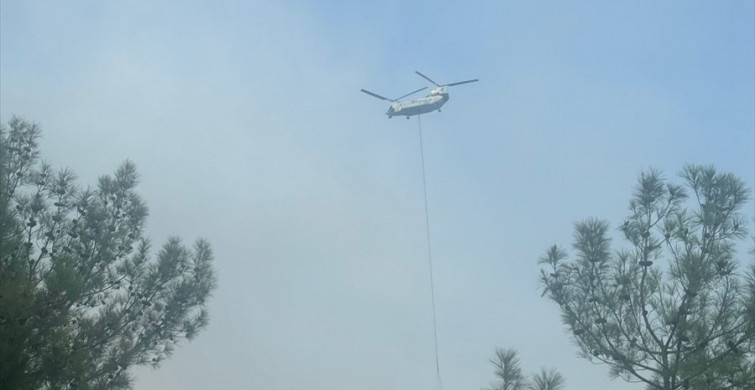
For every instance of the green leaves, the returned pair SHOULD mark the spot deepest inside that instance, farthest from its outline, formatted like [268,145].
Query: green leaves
[81,299]
[591,242]
[508,373]
[547,380]
[663,310]
[509,376]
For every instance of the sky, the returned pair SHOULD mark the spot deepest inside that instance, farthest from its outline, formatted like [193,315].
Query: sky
[248,129]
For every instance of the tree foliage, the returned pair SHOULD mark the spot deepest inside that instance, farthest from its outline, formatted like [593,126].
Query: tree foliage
[509,376]
[672,310]
[81,300]
[547,380]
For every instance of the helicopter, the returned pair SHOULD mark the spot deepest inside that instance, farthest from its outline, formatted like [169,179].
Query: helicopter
[434,101]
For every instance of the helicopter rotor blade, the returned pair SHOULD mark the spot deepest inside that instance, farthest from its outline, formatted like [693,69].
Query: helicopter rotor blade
[462,82]
[427,78]
[375,95]
[410,93]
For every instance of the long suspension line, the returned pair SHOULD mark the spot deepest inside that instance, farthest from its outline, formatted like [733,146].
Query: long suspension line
[429,253]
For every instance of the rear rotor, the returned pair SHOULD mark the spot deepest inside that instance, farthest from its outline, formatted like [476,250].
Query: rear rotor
[373,94]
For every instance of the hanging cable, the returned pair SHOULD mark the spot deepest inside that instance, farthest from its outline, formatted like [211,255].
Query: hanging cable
[429,253]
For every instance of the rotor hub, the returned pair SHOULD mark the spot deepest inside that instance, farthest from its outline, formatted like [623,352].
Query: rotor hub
[439,91]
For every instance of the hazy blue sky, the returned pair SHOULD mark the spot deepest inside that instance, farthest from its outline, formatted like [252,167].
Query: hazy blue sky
[246,122]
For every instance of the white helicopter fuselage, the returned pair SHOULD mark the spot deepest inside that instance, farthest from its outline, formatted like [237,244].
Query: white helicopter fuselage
[434,101]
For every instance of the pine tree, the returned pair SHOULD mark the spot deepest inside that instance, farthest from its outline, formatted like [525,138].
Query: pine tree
[509,376]
[81,299]
[547,380]
[508,373]
[672,310]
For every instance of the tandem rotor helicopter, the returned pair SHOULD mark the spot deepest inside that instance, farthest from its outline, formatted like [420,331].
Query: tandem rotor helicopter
[434,101]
